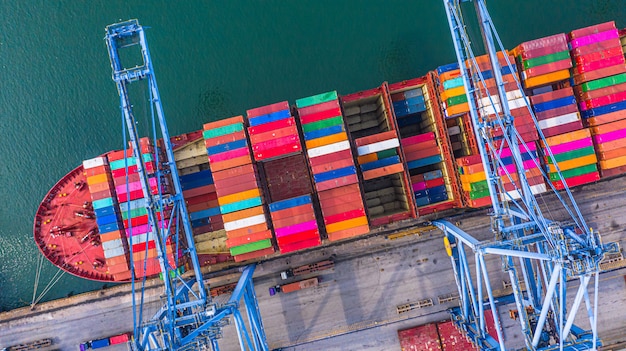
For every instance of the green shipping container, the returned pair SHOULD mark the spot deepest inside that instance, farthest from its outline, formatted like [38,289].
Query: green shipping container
[542,60]
[604,82]
[479,194]
[574,172]
[229,129]
[455,100]
[325,123]
[316,99]
[254,246]
[570,155]
[134,213]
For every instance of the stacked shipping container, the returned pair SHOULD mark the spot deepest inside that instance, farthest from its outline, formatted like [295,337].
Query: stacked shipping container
[543,61]
[141,238]
[575,157]
[473,181]
[424,139]
[373,129]
[332,164]
[600,78]
[276,141]
[238,189]
[108,218]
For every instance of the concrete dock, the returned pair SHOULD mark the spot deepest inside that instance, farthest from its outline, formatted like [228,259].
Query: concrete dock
[355,305]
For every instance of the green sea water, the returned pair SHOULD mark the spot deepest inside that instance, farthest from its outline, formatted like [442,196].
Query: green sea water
[213,59]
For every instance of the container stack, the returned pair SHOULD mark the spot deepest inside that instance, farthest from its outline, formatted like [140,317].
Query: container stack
[456,110]
[132,206]
[295,223]
[425,144]
[200,197]
[544,61]
[238,190]
[489,104]
[600,78]
[273,132]
[610,144]
[385,182]
[452,90]
[576,158]
[557,112]
[108,218]
[474,181]
[276,143]
[332,164]
[532,171]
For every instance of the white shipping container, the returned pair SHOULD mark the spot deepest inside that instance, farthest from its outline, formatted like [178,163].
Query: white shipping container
[245,222]
[328,149]
[112,244]
[379,146]
[95,162]
[559,120]
[115,252]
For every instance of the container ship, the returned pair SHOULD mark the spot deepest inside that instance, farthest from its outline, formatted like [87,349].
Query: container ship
[289,177]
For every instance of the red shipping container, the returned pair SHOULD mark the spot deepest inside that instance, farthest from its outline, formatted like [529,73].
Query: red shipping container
[265,110]
[297,237]
[592,94]
[236,184]
[246,231]
[320,116]
[371,139]
[201,199]
[291,212]
[348,233]
[619,171]
[201,190]
[578,180]
[254,254]
[383,171]
[223,122]
[328,158]
[611,145]
[281,151]
[289,221]
[287,177]
[555,112]
[268,127]
[547,68]
[301,245]
[232,163]
[233,172]
[133,195]
[122,171]
[598,56]
[599,73]
[118,155]
[337,182]
[338,208]
[274,143]
[118,339]
[132,178]
[596,65]
[273,134]
[419,154]
[347,162]
[224,139]
[552,95]
[359,212]
[605,100]
[318,107]
[202,206]
[250,238]
[563,128]
[431,144]
[595,47]
[597,28]
[342,192]
[435,182]
[417,139]
[96,170]
[102,194]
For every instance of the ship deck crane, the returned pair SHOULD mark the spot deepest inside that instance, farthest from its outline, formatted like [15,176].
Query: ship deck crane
[189,319]
[540,255]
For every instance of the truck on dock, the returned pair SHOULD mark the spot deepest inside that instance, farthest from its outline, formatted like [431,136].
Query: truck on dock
[295,286]
[308,268]
[105,342]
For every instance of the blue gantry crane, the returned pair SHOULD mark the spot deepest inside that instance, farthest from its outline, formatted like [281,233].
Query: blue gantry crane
[189,318]
[542,256]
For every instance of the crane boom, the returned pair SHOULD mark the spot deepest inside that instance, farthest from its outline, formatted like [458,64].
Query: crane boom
[539,254]
[189,319]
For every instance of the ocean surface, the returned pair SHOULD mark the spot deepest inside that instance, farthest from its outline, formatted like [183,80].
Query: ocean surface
[212,59]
